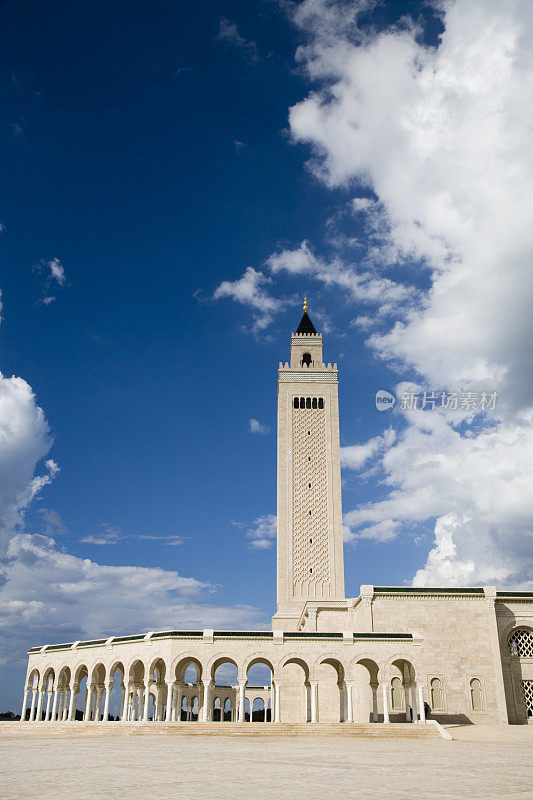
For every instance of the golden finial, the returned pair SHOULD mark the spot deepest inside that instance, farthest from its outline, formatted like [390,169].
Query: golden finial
[305,304]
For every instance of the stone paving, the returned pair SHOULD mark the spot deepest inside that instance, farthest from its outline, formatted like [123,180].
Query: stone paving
[481,764]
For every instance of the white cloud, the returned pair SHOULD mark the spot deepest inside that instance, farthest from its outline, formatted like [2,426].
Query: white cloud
[249,291]
[262,534]
[229,33]
[441,136]
[50,596]
[360,285]
[25,440]
[256,427]
[57,270]
[171,541]
[53,524]
[356,455]
[109,535]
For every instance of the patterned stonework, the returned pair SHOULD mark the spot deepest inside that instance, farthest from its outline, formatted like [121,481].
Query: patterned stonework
[310,539]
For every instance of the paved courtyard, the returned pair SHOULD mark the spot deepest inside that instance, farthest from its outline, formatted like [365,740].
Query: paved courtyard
[481,764]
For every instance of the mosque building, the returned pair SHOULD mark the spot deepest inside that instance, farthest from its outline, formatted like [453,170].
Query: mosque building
[380,658]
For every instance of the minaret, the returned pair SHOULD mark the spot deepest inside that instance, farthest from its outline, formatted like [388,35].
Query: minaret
[310,556]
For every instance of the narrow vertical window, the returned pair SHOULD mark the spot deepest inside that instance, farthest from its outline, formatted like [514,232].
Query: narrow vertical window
[315,403]
[476,695]
[296,403]
[321,402]
[396,694]
[308,402]
[436,693]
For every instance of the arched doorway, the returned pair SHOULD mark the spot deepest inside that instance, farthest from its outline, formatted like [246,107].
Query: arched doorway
[295,702]
[366,682]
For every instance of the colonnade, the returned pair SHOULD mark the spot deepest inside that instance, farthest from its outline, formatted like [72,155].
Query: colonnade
[56,699]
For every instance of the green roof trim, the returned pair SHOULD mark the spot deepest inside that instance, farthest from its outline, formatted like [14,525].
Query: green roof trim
[178,634]
[59,646]
[136,638]
[249,634]
[91,642]
[514,594]
[417,590]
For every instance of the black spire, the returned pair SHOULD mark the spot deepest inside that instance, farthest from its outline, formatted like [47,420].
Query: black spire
[306,326]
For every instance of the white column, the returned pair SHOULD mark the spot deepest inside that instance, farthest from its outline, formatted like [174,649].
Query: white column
[266,709]
[98,708]
[108,689]
[242,687]
[205,709]
[48,704]
[61,705]
[170,693]
[88,701]
[33,700]
[413,702]
[66,697]
[146,704]
[374,687]
[24,704]
[39,714]
[54,704]
[314,700]
[278,707]
[125,694]
[385,703]
[349,701]
[72,705]
[421,704]
[251,708]
[178,703]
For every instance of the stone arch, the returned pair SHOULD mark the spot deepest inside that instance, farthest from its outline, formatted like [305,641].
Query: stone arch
[402,667]
[80,671]
[63,678]
[392,665]
[257,658]
[136,671]
[158,665]
[295,701]
[295,657]
[180,664]
[331,692]
[116,665]
[98,674]
[216,661]
[34,679]
[366,675]
[49,678]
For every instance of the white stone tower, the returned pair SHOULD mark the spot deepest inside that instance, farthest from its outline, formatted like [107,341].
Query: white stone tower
[310,555]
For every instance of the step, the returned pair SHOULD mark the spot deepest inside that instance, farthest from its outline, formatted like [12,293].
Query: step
[418,730]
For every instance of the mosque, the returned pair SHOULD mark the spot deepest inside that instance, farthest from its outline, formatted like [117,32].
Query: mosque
[383,657]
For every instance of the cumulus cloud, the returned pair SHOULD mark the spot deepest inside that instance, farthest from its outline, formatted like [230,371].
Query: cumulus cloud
[48,595]
[256,427]
[440,137]
[361,285]
[356,455]
[262,533]
[249,290]
[228,32]
[53,273]
[52,596]
[25,440]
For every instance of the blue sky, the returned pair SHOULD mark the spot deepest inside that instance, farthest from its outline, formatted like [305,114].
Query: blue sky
[149,157]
